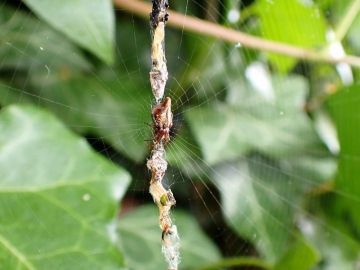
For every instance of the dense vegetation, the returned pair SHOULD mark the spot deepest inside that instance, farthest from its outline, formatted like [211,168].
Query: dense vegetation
[264,155]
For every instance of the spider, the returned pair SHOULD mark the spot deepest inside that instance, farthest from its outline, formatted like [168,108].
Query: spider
[162,118]
[166,231]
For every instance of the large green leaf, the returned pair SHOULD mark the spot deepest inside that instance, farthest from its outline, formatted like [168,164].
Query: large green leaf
[89,23]
[292,22]
[260,198]
[58,198]
[26,42]
[140,240]
[255,121]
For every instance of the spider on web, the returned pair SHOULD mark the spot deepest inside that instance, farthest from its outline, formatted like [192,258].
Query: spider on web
[163,120]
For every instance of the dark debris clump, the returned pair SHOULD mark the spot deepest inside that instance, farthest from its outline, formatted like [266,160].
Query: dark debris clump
[158,13]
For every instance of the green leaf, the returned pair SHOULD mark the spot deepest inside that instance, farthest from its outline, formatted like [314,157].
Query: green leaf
[300,256]
[344,108]
[214,66]
[208,73]
[89,23]
[291,22]
[332,237]
[26,42]
[260,198]
[8,95]
[255,121]
[257,201]
[352,34]
[58,198]
[110,109]
[314,171]
[244,262]
[110,103]
[345,26]
[140,240]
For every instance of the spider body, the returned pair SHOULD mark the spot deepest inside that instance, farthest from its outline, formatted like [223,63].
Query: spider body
[163,121]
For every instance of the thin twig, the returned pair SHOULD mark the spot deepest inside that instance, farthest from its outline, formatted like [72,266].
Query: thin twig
[347,20]
[196,25]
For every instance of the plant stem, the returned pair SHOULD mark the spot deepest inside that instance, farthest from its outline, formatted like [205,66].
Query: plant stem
[196,25]
[347,20]
[240,261]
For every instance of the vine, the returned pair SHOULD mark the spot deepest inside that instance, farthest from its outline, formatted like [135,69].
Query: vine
[162,122]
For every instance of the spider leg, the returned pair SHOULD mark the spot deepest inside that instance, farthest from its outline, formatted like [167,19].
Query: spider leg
[166,141]
[165,231]
[150,125]
[158,138]
[166,137]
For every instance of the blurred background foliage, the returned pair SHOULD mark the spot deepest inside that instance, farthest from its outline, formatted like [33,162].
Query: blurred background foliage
[264,155]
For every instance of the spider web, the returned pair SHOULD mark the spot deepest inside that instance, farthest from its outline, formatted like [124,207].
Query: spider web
[245,157]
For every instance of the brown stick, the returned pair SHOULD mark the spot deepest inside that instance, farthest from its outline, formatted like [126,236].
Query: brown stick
[196,25]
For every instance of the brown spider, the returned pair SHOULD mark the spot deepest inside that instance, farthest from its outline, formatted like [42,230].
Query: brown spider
[162,117]
[166,231]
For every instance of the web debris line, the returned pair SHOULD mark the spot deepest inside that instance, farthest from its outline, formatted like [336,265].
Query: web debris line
[162,122]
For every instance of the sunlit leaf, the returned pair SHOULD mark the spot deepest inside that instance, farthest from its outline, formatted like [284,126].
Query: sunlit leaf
[140,240]
[58,197]
[89,23]
[292,22]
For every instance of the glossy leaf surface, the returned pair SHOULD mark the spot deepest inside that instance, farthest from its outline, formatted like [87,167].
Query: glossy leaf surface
[89,23]
[58,198]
